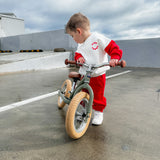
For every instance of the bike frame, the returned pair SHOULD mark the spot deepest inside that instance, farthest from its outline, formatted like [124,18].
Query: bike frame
[83,84]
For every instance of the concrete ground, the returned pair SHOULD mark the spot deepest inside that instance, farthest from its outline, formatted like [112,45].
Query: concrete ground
[36,131]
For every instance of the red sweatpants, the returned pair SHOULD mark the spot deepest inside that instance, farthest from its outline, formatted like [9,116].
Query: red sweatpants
[98,86]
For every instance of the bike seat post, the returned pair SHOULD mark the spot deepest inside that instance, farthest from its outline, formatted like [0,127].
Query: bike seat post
[75,76]
[73,85]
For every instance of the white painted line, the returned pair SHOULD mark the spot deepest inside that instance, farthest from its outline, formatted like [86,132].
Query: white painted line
[17,104]
[27,101]
[118,74]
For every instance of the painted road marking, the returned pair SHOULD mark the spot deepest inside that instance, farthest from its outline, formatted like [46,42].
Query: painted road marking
[27,101]
[118,74]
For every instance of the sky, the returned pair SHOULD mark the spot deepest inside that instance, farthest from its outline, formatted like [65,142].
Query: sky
[116,19]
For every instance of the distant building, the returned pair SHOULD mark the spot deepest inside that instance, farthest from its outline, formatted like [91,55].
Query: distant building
[10,25]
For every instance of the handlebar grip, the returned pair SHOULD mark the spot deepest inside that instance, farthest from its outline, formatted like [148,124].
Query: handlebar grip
[69,62]
[122,63]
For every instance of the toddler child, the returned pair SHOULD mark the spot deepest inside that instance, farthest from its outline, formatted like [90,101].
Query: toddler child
[92,49]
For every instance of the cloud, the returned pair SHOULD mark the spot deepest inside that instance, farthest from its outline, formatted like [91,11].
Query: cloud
[133,19]
[117,19]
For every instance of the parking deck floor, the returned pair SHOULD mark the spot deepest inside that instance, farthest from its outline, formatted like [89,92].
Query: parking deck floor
[36,131]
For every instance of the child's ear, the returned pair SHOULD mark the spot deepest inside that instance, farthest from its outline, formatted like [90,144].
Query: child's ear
[79,31]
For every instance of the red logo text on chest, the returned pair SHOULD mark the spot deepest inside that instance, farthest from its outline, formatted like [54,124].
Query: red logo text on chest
[94,45]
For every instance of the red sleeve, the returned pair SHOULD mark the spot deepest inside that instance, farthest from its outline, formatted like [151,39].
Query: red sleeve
[77,56]
[113,50]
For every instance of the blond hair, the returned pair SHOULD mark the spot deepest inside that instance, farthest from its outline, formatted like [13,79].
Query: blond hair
[77,20]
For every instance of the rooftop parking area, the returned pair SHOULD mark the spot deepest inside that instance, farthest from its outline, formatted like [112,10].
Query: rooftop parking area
[36,130]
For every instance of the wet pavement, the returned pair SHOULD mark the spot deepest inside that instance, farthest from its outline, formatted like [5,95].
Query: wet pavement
[36,131]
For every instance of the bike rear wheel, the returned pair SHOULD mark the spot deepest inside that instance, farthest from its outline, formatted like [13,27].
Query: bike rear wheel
[77,121]
[65,90]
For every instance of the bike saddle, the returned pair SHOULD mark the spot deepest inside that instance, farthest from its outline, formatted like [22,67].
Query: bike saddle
[74,75]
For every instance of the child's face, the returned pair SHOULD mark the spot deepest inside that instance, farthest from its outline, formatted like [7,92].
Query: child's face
[77,36]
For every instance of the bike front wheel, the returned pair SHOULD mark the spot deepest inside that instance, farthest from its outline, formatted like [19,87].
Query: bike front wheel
[65,90]
[77,121]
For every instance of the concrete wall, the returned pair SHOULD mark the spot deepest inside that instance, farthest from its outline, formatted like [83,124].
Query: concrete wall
[31,61]
[137,53]
[141,52]
[43,40]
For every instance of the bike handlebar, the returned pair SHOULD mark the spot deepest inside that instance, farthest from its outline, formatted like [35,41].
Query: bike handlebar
[121,63]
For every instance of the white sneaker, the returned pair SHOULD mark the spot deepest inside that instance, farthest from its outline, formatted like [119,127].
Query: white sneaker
[98,118]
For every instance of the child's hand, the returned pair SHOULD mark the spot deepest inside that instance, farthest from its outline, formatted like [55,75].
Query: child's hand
[81,60]
[113,62]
